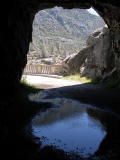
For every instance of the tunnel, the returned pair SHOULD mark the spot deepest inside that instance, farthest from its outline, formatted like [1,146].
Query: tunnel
[14,49]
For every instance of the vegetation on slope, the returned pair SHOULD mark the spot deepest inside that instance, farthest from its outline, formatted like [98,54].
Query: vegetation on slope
[77,77]
[59,31]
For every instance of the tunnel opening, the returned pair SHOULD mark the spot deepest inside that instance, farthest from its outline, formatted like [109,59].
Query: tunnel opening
[14,57]
[60,34]
[41,56]
[20,25]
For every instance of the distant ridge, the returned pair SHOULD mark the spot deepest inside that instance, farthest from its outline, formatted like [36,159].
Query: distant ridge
[59,31]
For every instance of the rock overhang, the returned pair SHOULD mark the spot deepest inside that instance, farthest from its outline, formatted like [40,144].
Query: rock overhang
[20,19]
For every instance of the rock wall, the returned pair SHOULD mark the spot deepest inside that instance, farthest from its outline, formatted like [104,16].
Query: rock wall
[100,59]
[110,11]
[75,61]
[97,59]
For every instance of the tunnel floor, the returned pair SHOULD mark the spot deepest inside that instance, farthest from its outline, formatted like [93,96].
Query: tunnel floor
[22,143]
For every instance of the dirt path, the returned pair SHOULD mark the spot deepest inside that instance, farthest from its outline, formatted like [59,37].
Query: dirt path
[94,94]
[49,82]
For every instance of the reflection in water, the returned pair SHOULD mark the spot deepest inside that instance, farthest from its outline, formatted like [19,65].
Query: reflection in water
[70,126]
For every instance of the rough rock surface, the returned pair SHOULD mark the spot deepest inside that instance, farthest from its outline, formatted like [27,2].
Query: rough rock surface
[99,61]
[75,61]
[92,60]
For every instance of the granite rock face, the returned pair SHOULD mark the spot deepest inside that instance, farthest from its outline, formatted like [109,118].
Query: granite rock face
[75,61]
[100,59]
[96,59]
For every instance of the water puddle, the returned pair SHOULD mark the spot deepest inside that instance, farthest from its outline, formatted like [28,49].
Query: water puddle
[69,126]
[74,127]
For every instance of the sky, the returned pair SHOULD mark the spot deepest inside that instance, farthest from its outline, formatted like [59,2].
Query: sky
[92,11]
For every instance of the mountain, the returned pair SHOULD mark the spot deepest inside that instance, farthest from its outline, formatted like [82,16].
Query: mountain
[63,32]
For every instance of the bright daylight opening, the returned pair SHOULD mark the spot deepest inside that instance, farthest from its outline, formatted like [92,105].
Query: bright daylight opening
[58,35]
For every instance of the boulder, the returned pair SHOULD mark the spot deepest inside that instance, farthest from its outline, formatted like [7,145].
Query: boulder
[75,61]
[96,59]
